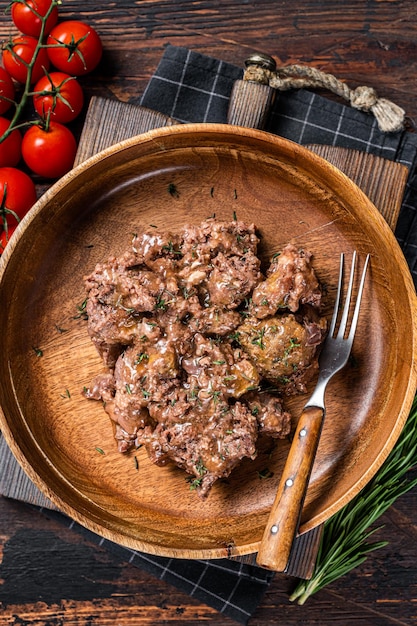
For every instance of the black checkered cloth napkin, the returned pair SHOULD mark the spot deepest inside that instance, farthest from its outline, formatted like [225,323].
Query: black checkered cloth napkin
[191,87]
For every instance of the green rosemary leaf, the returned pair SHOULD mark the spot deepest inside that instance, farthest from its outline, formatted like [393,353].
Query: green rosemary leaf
[345,542]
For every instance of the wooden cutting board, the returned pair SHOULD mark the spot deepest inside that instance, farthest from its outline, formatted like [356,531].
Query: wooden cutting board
[110,121]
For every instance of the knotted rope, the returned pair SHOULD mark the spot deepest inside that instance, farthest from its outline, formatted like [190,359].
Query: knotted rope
[390,117]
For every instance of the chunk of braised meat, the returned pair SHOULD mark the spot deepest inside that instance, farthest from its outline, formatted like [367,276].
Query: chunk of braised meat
[203,242]
[217,371]
[214,321]
[273,419]
[116,297]
[219,259]
[283,349]
[145,373]
[172,276]
[291,282]
[185,372]
[232,279]
[209,444]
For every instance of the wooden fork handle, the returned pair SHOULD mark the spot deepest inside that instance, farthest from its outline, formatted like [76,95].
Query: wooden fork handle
[284,518]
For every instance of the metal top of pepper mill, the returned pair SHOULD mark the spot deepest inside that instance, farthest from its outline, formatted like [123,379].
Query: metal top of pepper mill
[263,60]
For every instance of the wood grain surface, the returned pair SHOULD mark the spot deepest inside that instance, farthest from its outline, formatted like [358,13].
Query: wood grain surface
[366,43]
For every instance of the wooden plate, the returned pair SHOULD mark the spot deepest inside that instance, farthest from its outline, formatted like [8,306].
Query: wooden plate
[90,214]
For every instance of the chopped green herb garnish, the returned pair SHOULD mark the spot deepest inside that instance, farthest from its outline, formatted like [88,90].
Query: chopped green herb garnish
[293,344]
[161,304]
[215,396]
[193,393]
[169,247]
[82,310]
[258,339]
[99,450]
[265,473]
[37,351]
[61,330]
[143,356]
[194,482]
[173,191]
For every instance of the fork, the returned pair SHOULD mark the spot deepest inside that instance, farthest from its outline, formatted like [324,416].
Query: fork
[284,518]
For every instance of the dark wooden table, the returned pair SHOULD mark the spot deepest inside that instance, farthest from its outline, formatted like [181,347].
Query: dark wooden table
[55,576]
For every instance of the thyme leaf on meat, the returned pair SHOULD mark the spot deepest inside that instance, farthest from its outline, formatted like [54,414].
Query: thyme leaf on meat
[142,356]
[194,482]
[215,395]
[258,339]
[201,469]
[169,247]
[345,542]
[161,304]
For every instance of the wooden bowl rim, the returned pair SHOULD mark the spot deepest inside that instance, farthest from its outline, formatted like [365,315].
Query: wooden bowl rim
[240,134]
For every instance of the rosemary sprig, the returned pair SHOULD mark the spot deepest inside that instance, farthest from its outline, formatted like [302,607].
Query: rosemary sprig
[345,544]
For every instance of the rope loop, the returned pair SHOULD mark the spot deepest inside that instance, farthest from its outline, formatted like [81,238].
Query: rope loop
[262,69]
[363,98]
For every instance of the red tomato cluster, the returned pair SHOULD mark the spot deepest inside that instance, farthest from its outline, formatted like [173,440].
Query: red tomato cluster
[57,53]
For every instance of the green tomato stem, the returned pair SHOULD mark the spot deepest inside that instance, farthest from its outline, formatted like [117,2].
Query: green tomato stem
[15,121]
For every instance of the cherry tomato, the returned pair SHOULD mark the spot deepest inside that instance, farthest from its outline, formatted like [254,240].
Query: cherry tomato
[19,53]
[17,195]
[5,237]
[80,50]
[49,152]
[61,95]
[6,91]
[10,148]
[27,14]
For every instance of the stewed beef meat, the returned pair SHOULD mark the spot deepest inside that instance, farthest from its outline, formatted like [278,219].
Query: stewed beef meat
[190,330]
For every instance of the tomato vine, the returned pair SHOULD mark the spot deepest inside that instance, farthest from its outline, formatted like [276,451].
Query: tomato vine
[39,73]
